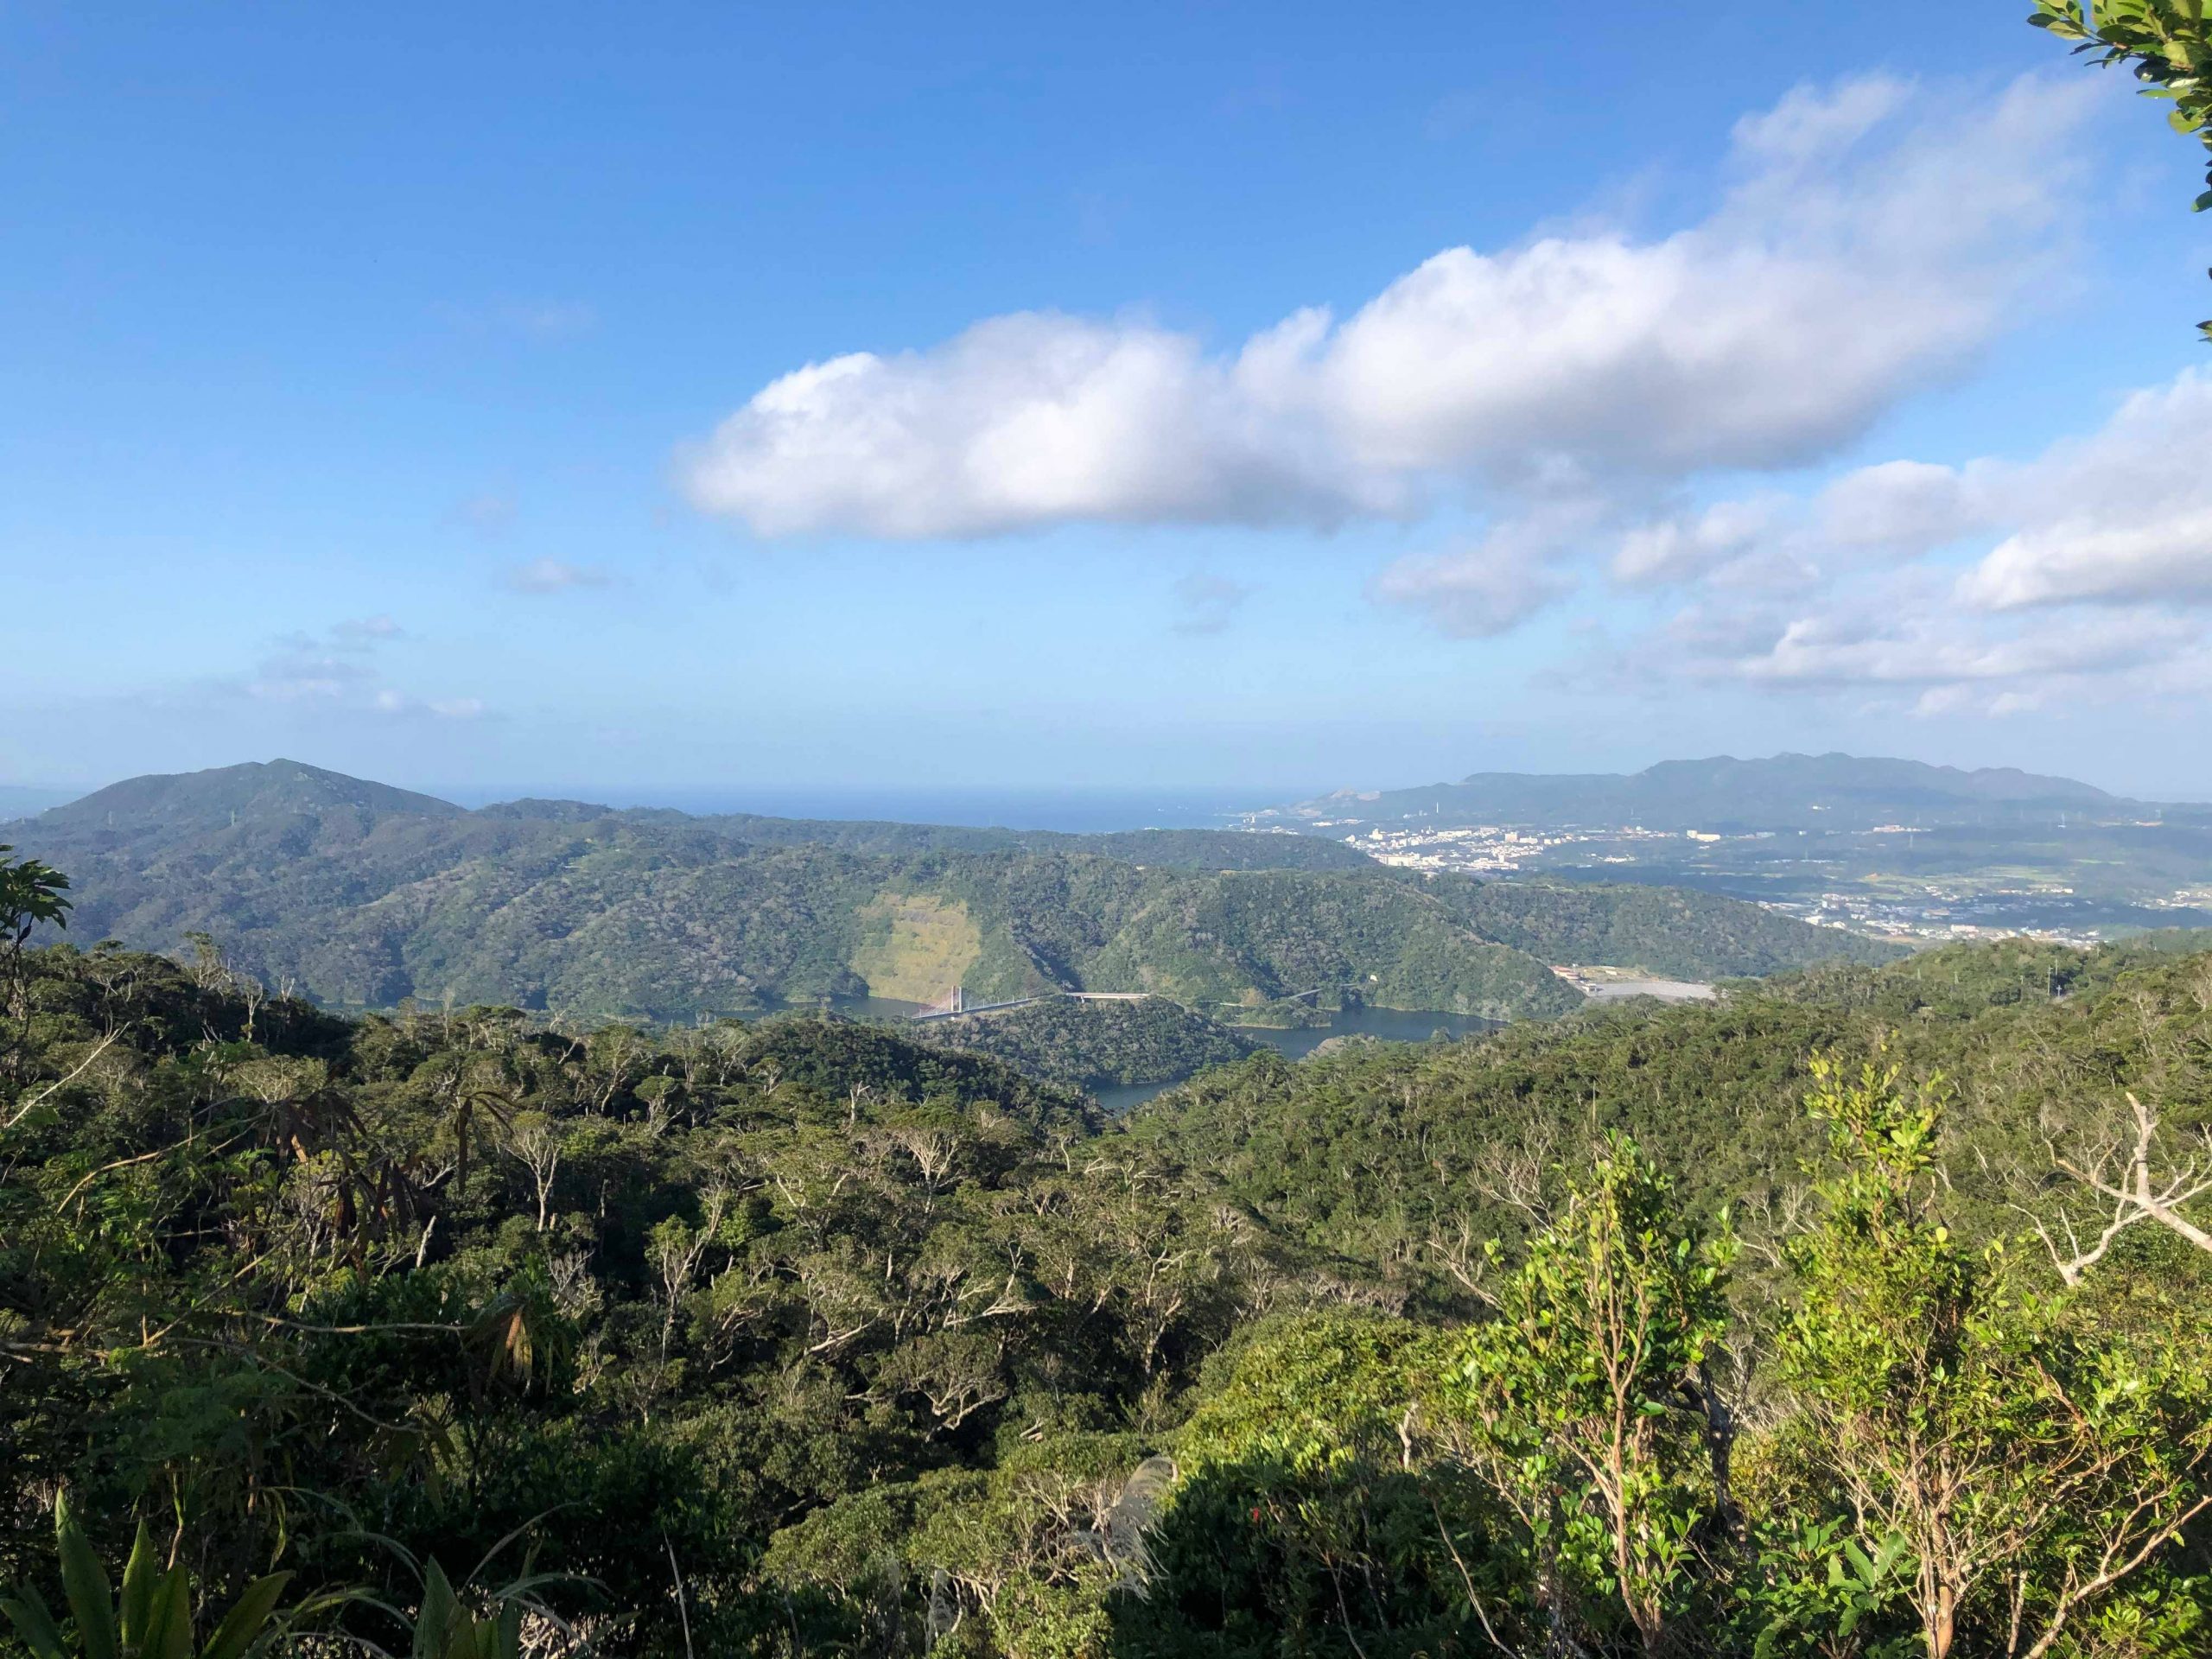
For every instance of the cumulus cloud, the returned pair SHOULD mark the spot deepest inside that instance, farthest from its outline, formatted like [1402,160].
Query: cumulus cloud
[1206,604]
[2099,583]
[1025,421]
[1727,536]
[1490,583]
[1892,643]
[1937,651]
[1469,595]
[1869,244]
[2121,517]
[542,577]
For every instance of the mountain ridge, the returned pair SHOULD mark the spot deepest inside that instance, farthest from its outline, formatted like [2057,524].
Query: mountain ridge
[364,896]
[216,797]
[1786,790]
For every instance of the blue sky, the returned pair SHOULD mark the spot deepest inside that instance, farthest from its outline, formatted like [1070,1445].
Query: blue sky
[1253,397]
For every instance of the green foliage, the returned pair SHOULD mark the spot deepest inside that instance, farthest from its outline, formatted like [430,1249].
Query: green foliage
[1315,1494]
[1094,1043]
[2167,44]
[2022,1449]
[802,1335]
[152,1618]
[30,894]
[1599,1341]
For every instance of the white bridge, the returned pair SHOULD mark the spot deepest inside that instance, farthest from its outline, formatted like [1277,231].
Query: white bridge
[956,1006]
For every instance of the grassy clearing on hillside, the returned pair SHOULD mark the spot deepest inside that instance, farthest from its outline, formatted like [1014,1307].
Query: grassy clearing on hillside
[915,947]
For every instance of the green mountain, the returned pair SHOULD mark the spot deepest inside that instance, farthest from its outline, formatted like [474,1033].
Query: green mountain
[175,806]
[364,896]
[1786,791]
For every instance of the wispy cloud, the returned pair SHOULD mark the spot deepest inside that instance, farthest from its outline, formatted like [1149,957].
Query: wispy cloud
[336,669]
[539,319]
[544,576]
[488,512]
[1207,604]
[362,633]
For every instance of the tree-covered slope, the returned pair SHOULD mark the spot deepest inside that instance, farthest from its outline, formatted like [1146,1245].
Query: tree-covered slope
[1187,849]
[1096,1044]
[1674,932]
[364,898]
[862,1335]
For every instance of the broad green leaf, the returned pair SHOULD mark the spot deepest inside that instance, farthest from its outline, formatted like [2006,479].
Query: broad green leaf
[441,1612]
[34,1624]
[139,1575]
[247,1615]
[168,1618]
[91,1599]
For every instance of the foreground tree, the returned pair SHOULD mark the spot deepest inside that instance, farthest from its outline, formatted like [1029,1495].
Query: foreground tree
[2168,45]
[2025,1455]
[1583,1385]
[31,894]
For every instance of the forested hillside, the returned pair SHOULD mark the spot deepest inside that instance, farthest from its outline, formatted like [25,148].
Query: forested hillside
[800,1336]
[1096,1044]
[364,896]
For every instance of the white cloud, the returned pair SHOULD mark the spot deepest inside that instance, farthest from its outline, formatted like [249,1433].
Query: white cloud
[1468,596]
[2124,516]
[1894,641]
[1872,243]
[1020,421]
[1491,583]
[1676,550]
[2169,556]
[2099,583]
[1904,508]
[542,577]
[1936,651]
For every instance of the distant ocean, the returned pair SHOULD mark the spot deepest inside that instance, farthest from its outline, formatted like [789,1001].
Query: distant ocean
[1081,811]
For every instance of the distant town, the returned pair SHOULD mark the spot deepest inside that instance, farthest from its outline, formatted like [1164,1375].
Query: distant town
[1909,911]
